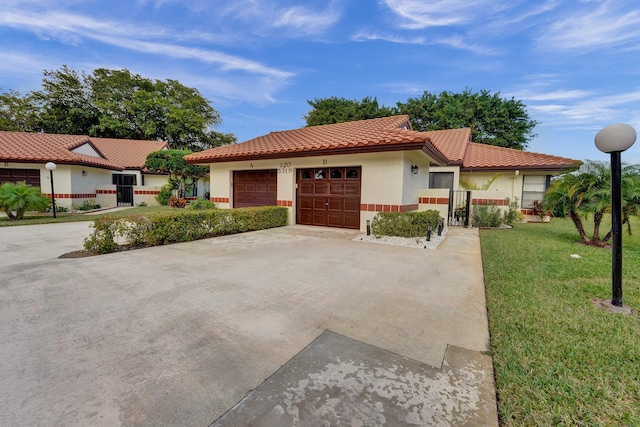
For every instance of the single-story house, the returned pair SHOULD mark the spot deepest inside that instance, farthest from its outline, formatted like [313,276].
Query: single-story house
[109,171]
[494,174]
[341,175]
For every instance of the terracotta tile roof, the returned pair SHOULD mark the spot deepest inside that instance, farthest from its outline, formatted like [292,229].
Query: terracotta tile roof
[451,142]
[41,148]
[388,133]
[483,156]
[457,146]
[128,153]
[451,146]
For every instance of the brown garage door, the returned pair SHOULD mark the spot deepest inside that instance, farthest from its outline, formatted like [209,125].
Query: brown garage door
[31,176]
[255,188]
[329,197]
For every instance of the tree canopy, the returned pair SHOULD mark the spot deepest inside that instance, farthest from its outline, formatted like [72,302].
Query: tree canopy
[181,173]
[115,104]
[493,120]
[339,110]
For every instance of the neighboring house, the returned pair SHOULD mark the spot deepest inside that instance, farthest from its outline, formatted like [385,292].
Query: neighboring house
[341,175]
[109,171]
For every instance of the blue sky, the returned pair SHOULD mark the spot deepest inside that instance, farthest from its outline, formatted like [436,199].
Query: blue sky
[575,64]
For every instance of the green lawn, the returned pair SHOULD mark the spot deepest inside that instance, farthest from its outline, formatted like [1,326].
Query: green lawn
[559,360]
[47,218]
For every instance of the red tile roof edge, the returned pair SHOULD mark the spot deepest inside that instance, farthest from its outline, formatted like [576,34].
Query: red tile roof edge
[373,135]
[59,150]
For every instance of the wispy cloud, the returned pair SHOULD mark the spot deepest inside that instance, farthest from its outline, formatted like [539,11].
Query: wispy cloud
[575,108]
[557,95]
[268,16]
[71,28]
[610,24]
[305,21]
[419,14]
[362,36]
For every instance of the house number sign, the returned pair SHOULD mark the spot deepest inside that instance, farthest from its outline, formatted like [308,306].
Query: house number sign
[285,167]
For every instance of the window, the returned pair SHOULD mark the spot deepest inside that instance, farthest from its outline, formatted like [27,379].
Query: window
[533,188]
[306,174]
[336,174]
[352,173]
[320,174]
[441,180]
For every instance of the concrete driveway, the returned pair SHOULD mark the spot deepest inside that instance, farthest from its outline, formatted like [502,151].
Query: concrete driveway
[177,335]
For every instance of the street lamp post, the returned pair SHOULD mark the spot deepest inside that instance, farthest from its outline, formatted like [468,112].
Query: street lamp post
[51,167]
[615,139]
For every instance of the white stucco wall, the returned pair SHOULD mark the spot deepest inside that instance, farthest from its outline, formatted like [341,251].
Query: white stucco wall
[386,178]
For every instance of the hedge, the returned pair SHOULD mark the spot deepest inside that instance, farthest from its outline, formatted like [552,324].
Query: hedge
[404,224]
[180,226]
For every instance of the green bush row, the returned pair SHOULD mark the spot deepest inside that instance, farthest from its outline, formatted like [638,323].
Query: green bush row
[404,224]
[180,226]
[491,216]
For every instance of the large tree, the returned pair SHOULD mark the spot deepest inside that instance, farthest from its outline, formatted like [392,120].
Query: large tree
[586,195]
[18,113]
[493,120]
[339,110]
[65,103]
[116,104]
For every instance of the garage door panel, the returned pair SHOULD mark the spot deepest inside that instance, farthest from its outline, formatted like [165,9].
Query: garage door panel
[334,195]
[255,188]
[336,204]
[305,203]
[351,220]
[31,176]
[352,188]
[319,203]
[351,205]
[320,188]
[336,188]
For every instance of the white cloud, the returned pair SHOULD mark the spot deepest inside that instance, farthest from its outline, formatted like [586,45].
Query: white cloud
[305,21]
[392,38]
[419,14]
[584,109]
[556,95]
[610,24]
[73,28]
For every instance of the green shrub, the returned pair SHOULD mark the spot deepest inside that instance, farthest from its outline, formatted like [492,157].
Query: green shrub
[18,198]
[201,204]
[491,216]
[404,224]
[88,205]
[142,204]
[513,214]
[486,215]
[164,195]
[180,226]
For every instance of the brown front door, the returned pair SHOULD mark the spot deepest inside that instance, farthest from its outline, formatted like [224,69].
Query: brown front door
[255,188]
[329,197]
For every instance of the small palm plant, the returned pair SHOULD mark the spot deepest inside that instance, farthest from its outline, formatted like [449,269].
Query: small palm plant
[18,198]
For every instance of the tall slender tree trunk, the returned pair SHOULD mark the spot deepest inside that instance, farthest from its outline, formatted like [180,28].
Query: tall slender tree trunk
[575,217]
[597,220]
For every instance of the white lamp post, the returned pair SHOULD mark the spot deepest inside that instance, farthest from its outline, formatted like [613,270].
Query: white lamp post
[614,139]
[51,167]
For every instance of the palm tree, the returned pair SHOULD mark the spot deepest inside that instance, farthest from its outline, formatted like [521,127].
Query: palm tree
[20,198]
[588,192]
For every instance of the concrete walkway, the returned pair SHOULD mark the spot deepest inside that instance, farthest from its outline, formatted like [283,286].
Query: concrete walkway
[179,335]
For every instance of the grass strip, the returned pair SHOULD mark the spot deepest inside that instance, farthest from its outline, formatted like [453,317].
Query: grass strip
[560,360]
